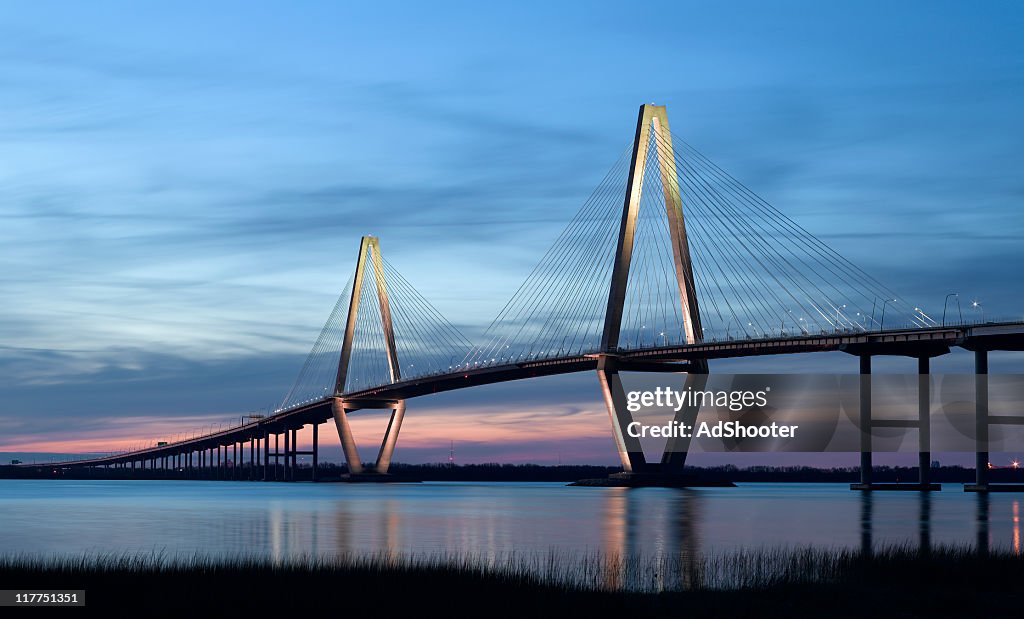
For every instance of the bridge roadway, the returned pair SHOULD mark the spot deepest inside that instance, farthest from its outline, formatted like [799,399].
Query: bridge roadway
[916,342]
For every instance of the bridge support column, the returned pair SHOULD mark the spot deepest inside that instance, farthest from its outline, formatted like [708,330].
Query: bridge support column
[673,461]
[923,424]
[316,461]
[865,420]
[924,421]
[348,441]
[340,410]
[277,455]
[630,452]
[286,474]
[295,454]
[387,445]
[981,419]
[266,457]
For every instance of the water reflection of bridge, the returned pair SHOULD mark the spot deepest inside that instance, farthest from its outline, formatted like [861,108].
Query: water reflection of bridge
[676,530]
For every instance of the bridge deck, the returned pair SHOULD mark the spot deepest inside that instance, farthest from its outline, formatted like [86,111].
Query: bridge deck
[908,342]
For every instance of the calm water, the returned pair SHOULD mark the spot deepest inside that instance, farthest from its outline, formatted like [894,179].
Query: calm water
[481,519]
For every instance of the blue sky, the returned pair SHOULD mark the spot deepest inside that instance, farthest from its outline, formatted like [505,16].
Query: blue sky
[183,186]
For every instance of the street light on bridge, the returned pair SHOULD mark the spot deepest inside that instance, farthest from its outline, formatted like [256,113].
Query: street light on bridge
[977,305]
[881,324]
[946,302]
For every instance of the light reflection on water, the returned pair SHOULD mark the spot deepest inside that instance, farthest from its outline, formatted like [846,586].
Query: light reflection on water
[485,520]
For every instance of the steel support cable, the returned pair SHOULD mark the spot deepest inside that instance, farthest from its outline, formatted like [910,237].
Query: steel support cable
[594,306]
[778,266]
[417,343]
[739,282]
[585,290]
[536,301]
[837,258]
[749,248]
[695,245]
[614,197]
[733,275]
[547,288]
[706,194]
[778,215]
[317,346]
[421,318]
[758,243]
[551,295]
[650,283]
[707,296]
[694,248]
[637,267]
[828,282]
[582,304]
[664,158]
[697,254]
[666,254]
[700,163]
[447,341]
[445,337]
[701,221]
[366,365]
[414,339]
[409,336]
[652,276]
[377,350]
[579,267]
[581,262]
[634,289]
[672,294]
[704,228]
[593,202]
[760,217]
[554,248]
[503,329]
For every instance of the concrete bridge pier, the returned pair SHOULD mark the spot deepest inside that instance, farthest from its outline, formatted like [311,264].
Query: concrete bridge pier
[316,443]
[340,410]
[631,454]
[866,464]
[636,470]
[982,420]
[286,473]
[923,422]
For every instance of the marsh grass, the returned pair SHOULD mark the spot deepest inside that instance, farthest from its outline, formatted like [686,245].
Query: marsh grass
[943,581]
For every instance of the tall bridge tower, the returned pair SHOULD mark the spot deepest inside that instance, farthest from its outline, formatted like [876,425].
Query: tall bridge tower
[369,264]
[652,127]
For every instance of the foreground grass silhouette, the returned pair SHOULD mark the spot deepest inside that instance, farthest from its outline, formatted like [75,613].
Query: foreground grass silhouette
[894,581]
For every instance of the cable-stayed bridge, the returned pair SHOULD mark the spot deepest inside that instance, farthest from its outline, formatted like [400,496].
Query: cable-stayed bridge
[670,264]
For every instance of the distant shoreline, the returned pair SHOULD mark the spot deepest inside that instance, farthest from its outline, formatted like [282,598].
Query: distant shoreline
[539,473]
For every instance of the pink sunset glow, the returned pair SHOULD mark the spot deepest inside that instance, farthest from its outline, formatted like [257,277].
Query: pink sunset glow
[480,434]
